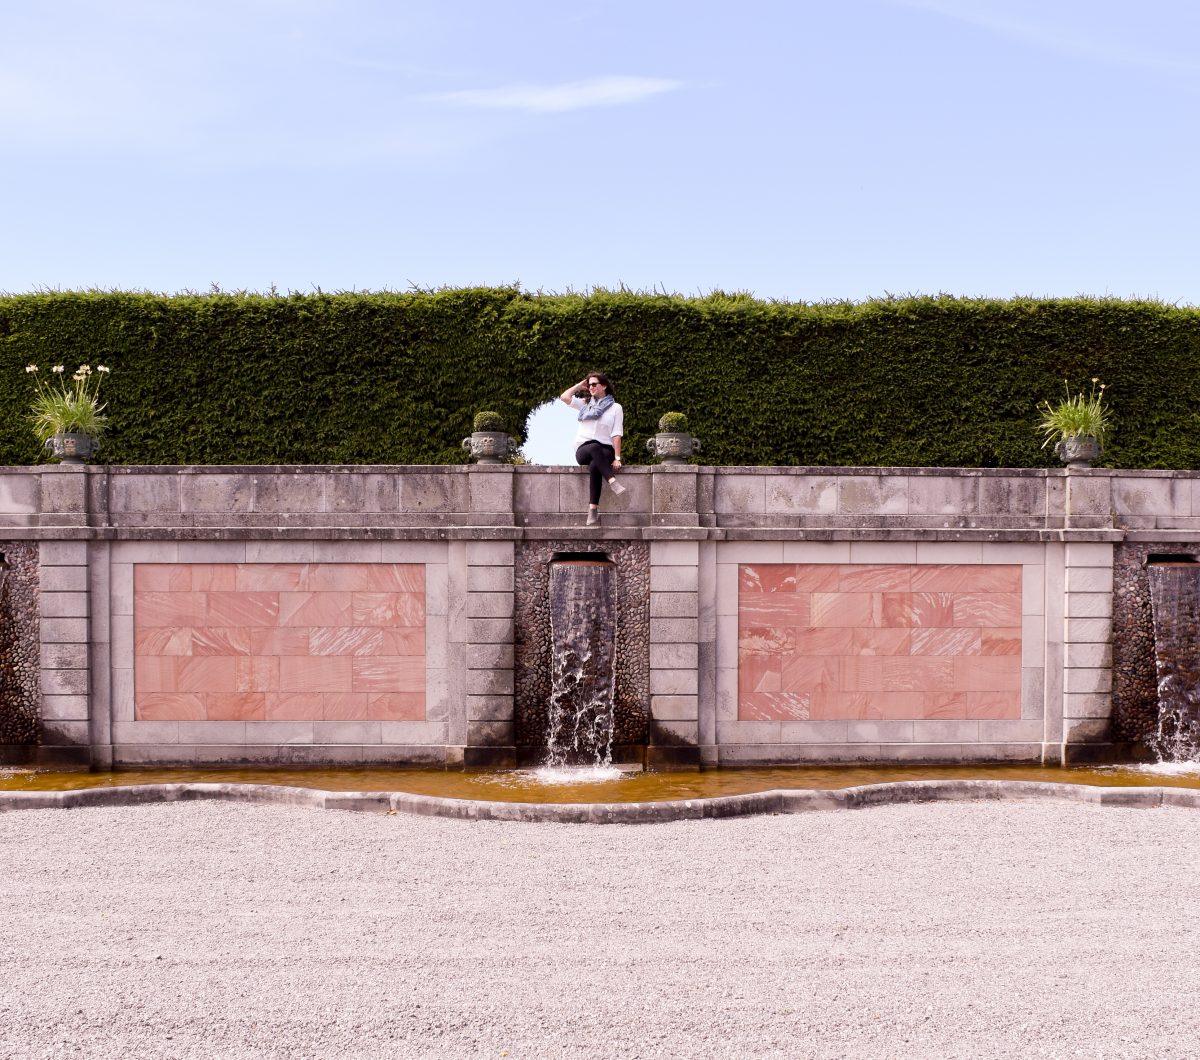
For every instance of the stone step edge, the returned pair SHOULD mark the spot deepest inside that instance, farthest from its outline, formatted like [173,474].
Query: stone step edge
[763,802]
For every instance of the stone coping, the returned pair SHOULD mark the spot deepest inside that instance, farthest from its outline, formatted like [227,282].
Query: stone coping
[765,802]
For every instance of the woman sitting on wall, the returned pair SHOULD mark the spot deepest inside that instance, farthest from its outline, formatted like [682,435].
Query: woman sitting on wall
[598,440]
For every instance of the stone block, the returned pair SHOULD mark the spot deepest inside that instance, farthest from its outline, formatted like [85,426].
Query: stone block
[279,552]
[811,731]
[361,493]
[536,493]
[737,732]
[816,552]
[437,590]
[63,605]
[432,552]
[208,732]
[491,489]
[1033,640]
[995,731]
[211,551]
[1087,680]
[216,493]
[1089,655]
[674,605]
[749,552]
[438,492]
[1033,692]
[1089,605]
[942,495]
[20,494]
[490,579]
[674,682]
[490,657]
[739,494]
[674,630]
[62,553]
[351,552]
[1087,705]
[490,630]
[1033,589]
[1088,495]
[1004,496]
[489,707]
[1137,495]
[64,630]
[489,733]
[675,733]
[673,656]
[289,492]
[145,732]
[489,605]
[490,553]
[121,688]
[674,579]
[674,554]
[674,492]
[792,494]
[935,731]
[883,552]
[674,708]
[346,732]
[413,732]
[489,682]
[1089,579]
[64,656]
[873,495]
[64,682]
[1094,630]
[64,490]
[56,732]
[949,552]
[143,493]
[63,579]
[727,642]
[879,732]
[279,732]
[65,708]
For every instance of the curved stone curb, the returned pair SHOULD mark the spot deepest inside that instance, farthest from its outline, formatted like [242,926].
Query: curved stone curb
[762,802]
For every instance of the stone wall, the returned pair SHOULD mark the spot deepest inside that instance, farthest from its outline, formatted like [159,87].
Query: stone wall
[689,542]
[20,695]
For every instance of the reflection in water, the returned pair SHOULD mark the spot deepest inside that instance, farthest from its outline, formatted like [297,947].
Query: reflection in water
[519,785]
[1175,606]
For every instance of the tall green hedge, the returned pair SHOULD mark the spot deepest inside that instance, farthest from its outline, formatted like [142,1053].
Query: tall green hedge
[396,378]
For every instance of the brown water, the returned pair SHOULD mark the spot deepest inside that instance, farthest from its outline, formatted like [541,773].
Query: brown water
[525,786]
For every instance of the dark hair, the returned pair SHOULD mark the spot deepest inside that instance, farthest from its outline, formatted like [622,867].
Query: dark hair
[603,380]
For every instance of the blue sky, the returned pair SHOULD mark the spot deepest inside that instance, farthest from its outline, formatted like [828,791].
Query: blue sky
[799,150]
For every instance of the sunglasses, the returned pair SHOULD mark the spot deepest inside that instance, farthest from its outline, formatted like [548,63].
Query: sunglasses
[595,384]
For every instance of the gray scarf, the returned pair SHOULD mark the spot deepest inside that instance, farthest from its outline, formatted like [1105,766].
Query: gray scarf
[593,410]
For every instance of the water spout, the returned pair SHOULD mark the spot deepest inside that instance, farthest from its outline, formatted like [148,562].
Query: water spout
[583,628]
[1175,607]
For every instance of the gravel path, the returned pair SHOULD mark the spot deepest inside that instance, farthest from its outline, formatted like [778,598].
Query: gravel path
[981,930]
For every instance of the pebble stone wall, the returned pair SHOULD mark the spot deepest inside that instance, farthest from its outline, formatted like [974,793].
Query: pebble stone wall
[532,655]
[20,714]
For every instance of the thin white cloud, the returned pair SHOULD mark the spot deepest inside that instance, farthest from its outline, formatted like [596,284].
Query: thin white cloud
[1071,42]
[555,99]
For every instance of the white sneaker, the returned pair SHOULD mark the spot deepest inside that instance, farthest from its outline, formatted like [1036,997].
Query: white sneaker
[616,487]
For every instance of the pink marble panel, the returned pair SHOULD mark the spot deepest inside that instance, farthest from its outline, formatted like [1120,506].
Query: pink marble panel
[170,706]
[397,706]
[398,578]
[221,640]
[274,641]
[257,673]
[162,577]
[236,706]
[804,673]
[760,673]
[345,640]
[243,609]
[169,609]
[316,609]
[270,577]
[338,577]
[295,706]
[946,706]
[1001,641]
[388,609]
[987,609]
[761,640]
[842,609]
[214,577]
[867,577]
[978,578]
[817,577]
[383,673]
[885,673]
[767,578]
[773,706]
[346,706]
[212,673]
[866,640]
[828,640]
[153,673]
[163,640]
[917,609]
[402,640]
[1000,706]
[773,609]
[842,706]
[940,640]
[899,706]
[983,673]
[324,673]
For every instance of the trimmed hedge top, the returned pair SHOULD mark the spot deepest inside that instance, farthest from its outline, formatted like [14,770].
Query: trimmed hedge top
[396,378]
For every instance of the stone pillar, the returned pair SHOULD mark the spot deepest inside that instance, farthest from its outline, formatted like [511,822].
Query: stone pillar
[65,635]
[674,652]
[1087,649]
[488,687]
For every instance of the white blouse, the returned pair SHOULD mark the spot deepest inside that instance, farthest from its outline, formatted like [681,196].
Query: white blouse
[604,428]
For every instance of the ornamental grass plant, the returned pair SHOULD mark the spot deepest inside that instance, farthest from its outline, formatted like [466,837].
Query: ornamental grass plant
[1080,415]
[65,406]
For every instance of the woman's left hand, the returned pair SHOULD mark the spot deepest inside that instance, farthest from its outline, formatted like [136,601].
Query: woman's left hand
[616,460]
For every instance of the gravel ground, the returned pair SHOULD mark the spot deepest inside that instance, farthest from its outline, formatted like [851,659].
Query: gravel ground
[945,930]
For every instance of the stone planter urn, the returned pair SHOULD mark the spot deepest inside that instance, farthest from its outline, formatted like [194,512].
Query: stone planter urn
[489,447]
[673,443]
[72,447]
[1078,452]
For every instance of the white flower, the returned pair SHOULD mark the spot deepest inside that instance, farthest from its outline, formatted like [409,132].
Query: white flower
[101,368]
[31,368]
[84,369]
[58,369]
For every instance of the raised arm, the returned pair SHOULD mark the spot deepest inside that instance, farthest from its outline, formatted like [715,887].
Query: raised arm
[566,396]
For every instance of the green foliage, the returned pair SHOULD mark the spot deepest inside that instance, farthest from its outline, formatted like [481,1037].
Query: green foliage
[394,377]
[1076,416]
[673,423]
[488,421]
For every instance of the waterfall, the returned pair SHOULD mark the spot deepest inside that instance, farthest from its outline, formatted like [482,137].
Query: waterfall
[583,629]
[1175,606]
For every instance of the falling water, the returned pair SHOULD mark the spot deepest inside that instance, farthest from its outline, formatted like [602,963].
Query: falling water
[1175,604]
[583,627]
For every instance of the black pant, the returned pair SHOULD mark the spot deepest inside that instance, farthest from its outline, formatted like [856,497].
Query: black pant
[597,458]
